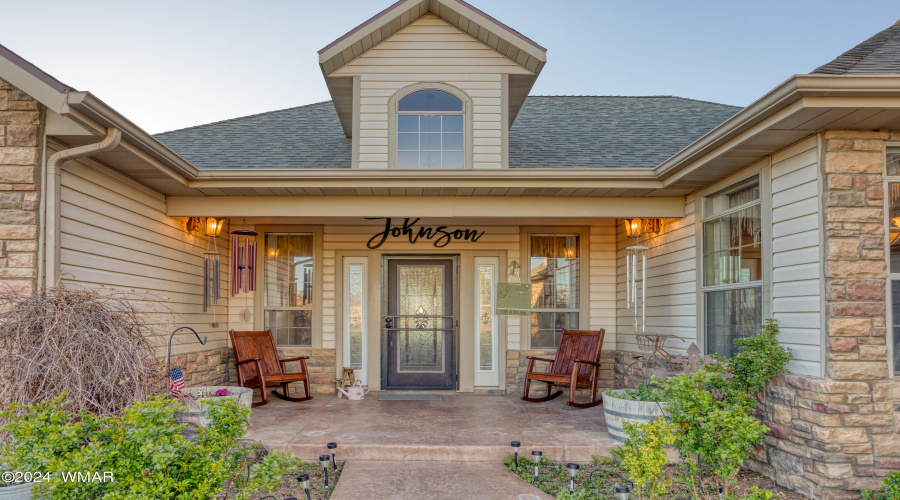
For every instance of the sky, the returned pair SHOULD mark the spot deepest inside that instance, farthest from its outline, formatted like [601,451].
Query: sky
[172,64]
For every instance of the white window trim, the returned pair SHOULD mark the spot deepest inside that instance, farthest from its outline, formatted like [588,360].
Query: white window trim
[259,299]
[467,119]
[361,373]
[762,170]
[889,301]
[583,278]
[485,375]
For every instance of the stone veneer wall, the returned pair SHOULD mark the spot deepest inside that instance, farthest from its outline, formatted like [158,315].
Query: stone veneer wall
[207,367]
[517,366]
[21,132]
[321,365]
[835,436]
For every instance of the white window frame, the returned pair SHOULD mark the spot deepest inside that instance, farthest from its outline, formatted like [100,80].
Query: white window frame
[583,309]
[764,283]
[487,378]
[393,113]
[359,373]
[315,341]
[889,302]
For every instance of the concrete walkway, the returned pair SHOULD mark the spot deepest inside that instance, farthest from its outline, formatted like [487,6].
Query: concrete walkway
[432,481]
[461,428]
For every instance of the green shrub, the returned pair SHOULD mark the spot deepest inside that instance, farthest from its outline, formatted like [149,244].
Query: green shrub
[757,494]
[644,457]
[144,449]
[761,359]
[642,392]
[890,490]
[719,431]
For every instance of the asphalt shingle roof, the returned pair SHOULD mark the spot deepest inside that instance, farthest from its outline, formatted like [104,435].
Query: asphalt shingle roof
[549,132]
[303,137]
[608,132]
[879,55]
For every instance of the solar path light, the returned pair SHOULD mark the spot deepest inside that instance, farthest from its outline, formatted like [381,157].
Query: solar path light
[303,479]
[573,471]
[323,461]
[515,446]
[332,447]
[536,457]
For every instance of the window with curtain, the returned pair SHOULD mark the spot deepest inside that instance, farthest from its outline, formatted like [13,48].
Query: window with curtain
[430,129]
[555,264]
[892,177]
[732,266]
[289,287]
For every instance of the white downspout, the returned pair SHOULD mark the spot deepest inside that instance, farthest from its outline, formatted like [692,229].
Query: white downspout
[53,220]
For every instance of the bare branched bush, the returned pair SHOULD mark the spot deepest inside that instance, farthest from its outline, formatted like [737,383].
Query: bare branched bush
[92,345]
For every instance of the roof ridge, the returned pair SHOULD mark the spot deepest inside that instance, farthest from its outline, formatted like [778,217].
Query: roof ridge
[642,97]
[241,118]
[851,58]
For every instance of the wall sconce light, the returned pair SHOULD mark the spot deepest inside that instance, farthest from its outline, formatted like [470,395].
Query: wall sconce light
[192,224]
[272,253]
[638,227]
[214,226]
[633,227]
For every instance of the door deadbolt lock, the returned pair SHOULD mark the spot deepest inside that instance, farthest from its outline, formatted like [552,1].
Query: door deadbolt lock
[389,322]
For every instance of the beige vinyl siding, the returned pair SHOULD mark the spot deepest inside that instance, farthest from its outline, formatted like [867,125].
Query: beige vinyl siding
[602,281]
[430,50]
[671,283]
[115,234]
[796,268]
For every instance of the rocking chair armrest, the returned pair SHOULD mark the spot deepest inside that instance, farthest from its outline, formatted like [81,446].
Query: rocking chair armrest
[586,361]
[537,358]
[298,358]
[249,360]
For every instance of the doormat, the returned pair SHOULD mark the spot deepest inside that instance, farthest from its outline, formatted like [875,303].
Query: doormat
[410,397]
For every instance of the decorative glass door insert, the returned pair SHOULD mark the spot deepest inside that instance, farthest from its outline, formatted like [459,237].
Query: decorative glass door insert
[419,323]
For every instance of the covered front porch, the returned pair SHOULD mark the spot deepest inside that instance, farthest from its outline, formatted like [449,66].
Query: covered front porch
[462,427]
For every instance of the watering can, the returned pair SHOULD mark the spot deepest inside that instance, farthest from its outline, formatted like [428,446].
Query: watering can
[355,392]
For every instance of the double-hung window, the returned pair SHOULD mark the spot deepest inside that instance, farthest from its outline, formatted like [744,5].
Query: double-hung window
[288,300]
[732,266]
[555,266]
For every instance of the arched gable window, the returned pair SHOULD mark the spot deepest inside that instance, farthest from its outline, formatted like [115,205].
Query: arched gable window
[430,130]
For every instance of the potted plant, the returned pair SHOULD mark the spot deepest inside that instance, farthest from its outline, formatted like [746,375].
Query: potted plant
[632,406]
[197,400]
[14,491]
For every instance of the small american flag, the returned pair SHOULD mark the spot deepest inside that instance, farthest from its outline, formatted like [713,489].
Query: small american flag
[176,381]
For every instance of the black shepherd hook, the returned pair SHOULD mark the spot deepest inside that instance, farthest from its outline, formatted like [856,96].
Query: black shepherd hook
[169,355]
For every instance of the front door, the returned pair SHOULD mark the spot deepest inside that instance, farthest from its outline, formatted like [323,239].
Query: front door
[419,323]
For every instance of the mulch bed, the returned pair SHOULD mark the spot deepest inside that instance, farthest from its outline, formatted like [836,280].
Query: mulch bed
[599,480]
[291,488]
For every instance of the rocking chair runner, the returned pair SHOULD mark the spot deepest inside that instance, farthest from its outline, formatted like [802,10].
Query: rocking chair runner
[577,364]
[257,365]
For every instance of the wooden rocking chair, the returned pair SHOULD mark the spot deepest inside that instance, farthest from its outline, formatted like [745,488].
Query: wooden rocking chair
[577,364]
[257,364]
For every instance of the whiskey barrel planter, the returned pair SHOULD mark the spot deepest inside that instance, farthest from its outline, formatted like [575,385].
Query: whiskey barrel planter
[197,406]
[20,491]
[619,409]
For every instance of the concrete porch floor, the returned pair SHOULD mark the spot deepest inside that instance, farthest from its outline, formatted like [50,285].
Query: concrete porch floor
[462,427]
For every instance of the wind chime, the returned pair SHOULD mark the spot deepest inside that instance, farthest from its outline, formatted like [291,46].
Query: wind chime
[243,266]
[635,253]
[211,289]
